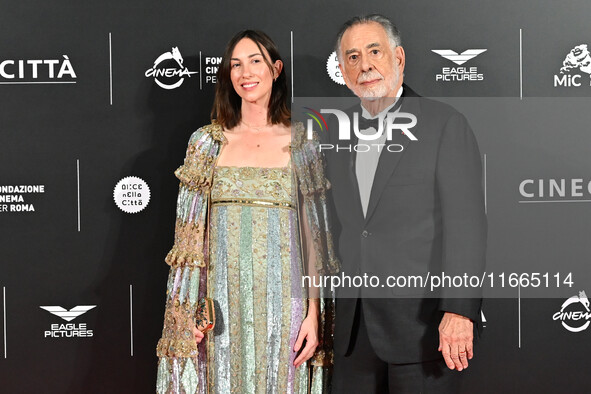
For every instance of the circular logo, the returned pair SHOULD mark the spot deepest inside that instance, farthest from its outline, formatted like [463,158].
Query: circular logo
[131,194]
[169,77]
[333,70]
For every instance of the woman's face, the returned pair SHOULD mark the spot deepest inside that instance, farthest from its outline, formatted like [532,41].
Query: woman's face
[251,77]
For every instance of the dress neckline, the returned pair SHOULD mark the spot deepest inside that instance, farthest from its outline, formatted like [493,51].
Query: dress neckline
[286,167]
[259,168]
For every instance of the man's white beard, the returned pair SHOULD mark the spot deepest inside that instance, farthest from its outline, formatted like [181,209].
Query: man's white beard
[377,92]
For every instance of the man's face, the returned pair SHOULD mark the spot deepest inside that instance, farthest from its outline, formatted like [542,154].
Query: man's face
[370,67]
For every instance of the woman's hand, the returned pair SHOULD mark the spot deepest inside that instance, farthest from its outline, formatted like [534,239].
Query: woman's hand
[198,335]
[309,332]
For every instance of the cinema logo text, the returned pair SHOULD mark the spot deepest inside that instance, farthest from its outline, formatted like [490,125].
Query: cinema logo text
[388,126]
[68,330]
[575,64]
[576,318]
[555,190]
[457,74]
[12,197]
[37,71]
[168,70]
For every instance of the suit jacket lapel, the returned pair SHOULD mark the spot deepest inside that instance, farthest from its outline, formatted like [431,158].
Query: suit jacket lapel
[389,160]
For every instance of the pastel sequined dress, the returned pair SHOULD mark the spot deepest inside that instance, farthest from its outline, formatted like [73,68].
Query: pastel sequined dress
[237,240]
[254,275]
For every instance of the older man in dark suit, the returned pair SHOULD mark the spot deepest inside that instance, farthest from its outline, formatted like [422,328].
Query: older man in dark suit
[415,210]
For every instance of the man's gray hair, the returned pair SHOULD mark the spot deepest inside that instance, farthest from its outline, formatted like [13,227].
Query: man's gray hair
[389,27]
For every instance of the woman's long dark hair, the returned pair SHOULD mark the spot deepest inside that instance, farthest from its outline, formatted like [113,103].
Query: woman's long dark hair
[227,103]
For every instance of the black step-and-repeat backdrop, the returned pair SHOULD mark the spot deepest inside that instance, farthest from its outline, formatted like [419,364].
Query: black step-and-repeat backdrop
[99,99]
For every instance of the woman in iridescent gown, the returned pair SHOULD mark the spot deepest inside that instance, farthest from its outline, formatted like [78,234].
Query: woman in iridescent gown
[250,197]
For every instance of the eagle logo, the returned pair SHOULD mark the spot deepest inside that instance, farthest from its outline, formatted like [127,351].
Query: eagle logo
[459,58]
[68,315]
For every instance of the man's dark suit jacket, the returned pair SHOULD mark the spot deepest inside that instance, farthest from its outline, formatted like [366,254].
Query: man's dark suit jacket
[425,214]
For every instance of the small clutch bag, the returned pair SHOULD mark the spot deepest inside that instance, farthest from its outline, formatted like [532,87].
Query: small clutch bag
[205,315]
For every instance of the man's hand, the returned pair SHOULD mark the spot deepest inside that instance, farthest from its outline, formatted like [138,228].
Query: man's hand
[455,340]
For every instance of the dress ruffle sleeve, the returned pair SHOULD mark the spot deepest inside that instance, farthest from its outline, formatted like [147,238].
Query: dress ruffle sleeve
[181,367]
[313,186]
